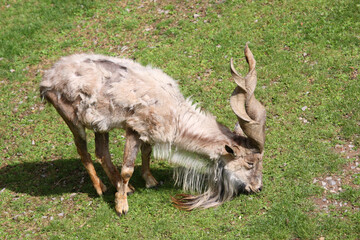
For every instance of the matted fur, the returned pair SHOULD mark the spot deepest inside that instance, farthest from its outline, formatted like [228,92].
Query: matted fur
[108,92]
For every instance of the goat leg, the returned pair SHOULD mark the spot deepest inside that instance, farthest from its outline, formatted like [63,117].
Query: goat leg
[150,181]
[67,112]
[103,155]
[132,145]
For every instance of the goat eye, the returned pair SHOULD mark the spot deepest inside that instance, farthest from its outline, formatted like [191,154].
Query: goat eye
[250,164]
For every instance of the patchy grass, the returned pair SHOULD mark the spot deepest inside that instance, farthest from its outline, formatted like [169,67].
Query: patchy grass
[308,64]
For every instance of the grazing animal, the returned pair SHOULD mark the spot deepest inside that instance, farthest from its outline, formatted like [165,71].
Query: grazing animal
[101,93]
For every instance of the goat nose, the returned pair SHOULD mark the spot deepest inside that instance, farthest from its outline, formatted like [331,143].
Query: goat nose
[260,189]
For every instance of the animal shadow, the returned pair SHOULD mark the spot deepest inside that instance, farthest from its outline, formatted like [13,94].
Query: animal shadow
[49,178]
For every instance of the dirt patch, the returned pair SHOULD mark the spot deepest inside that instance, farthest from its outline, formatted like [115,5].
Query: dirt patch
[335,185]
[354,74]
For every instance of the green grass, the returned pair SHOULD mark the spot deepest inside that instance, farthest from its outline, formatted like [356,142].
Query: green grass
[307,55]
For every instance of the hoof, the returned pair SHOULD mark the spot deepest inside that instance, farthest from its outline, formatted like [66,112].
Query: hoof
[119,214]
[150,181]
[156,186]
[121,204]
[101,188]
[130,189]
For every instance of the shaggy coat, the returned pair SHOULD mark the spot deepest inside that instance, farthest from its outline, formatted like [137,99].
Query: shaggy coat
[101,93]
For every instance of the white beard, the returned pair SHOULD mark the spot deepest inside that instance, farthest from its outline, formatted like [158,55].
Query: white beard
[195,173]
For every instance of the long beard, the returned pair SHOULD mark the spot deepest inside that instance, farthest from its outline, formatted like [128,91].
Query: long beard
[216,185]
[195,173]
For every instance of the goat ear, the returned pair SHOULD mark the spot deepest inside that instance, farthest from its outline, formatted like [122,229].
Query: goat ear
[230,150]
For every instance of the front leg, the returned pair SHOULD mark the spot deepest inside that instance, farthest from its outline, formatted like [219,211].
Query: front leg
[131,149]
[150,181]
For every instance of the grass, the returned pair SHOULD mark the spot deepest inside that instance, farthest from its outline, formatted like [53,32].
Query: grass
[307,61]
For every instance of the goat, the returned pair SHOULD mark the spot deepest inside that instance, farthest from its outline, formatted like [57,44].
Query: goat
[102,93]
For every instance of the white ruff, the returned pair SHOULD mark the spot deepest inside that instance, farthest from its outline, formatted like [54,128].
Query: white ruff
[191,171]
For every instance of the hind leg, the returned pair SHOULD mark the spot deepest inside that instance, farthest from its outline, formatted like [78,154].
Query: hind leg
[67,112]
[150,181]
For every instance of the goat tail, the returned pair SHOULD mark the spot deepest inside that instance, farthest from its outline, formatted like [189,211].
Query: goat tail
[43,91]
[47,83]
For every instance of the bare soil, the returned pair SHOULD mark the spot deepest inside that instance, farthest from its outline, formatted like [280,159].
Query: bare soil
[333,184]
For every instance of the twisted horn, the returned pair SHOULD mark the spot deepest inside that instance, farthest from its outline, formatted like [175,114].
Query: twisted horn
[250,112]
